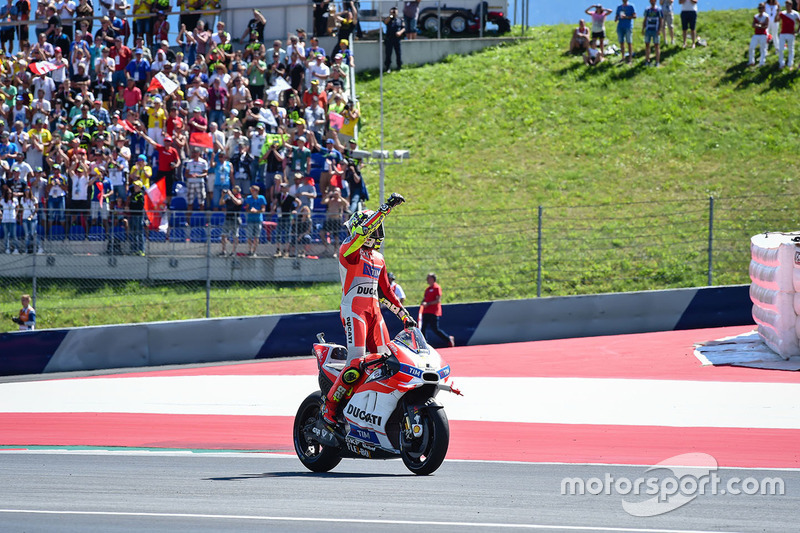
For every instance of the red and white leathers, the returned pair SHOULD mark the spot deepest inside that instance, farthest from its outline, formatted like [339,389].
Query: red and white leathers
[365,282]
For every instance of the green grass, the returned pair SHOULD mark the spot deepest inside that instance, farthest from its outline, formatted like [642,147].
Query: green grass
[622,159]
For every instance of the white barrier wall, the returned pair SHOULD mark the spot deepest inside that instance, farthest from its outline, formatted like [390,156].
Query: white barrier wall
[775,290]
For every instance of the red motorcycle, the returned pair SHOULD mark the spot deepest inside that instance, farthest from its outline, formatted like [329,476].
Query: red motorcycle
[393,414]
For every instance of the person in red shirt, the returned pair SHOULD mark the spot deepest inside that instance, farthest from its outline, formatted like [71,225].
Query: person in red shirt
[168,161]
[790,22]
[431,310]
[174,120]
[365,283]
[121,55]
[132,96]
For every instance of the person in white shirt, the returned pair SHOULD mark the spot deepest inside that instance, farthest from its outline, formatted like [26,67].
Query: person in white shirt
[790,23]
[759,39]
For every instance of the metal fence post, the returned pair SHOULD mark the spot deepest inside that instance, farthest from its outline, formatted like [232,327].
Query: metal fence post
[539,255]
[208,269]
[710,240]
[438,20]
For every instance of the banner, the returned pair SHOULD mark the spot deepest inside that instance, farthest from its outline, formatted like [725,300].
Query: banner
[336,120]
[274,92]
[203,140]
[40,68]
[154,199]
[161,81]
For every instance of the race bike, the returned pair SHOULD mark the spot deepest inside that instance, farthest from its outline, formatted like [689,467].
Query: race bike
[393,413]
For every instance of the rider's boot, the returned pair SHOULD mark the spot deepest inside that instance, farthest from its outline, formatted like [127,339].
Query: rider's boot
[346,383]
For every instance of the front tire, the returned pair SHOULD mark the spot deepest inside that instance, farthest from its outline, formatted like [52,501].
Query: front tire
[425,454]
[458,24]
[312,454]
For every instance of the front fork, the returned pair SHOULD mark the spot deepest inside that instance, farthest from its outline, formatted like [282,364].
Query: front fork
[413,428]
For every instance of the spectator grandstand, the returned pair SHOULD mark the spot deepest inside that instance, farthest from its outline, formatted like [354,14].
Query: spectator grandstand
[122,135]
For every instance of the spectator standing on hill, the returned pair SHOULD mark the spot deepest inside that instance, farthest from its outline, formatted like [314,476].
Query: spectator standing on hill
[27,316]
[651,27]
[772,8]
[431,310]
[790,22]
[759,39]
[410,15]
[396,288]
[232,200]
[580,38]
[667,8]
[626,12]
[254,205]
[395,28]
[689,20]
[598,24]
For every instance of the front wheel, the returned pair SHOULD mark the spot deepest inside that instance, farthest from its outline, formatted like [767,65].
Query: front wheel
[423,455]
[312,454]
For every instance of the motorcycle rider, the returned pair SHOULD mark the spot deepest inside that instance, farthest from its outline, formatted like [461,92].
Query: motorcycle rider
[365,283]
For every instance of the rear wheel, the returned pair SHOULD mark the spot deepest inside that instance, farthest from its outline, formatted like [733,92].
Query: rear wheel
[429,23]
[458,24]
[425,454]
[313,455]
[503,26]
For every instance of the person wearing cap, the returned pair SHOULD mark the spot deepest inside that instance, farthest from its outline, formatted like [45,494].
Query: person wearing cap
[160,27]
[120,25]
[242,163]
[316,90]
[156,119]
[141,171]
[257,140]
[195,170]
[39,138]
[136,219]
[318,70]
[316,118]
[8,149]
[395,29]
[396,288]
[313,49]
[300,159]
[197,123]
[121,55]
[255,205]
[139,70]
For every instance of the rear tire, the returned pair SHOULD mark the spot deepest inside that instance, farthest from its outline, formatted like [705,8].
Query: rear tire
[504,26]
[458,24]
[313,455]
[429,23]
[424,455]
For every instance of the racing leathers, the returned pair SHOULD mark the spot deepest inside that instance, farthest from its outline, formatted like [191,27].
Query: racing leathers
[365,283]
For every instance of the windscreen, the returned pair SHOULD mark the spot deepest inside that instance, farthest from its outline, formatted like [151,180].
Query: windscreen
[413,339]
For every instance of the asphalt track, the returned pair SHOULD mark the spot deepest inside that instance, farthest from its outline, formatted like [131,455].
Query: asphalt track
[87,492]
[150,451]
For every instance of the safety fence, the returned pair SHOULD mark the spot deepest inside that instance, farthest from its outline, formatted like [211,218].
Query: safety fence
[96,274]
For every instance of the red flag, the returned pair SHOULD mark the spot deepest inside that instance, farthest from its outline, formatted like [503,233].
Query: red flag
[41,68]
[202,140]
[154,199]
[128,126]
[161,81]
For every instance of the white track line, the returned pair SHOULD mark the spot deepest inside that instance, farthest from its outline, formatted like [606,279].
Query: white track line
[486,525]
[630,402]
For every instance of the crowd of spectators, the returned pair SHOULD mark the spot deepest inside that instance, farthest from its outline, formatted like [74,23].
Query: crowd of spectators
[97,115]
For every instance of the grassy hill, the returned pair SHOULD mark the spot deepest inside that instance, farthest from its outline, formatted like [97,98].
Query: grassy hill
[622,159]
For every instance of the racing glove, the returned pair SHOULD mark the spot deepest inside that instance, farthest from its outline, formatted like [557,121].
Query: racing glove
[393,201]
[409,322]
[16,320]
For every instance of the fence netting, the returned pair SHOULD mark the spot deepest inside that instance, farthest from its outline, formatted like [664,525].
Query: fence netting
[82,273]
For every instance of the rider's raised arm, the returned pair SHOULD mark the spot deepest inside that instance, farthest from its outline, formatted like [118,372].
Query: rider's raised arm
[362,228]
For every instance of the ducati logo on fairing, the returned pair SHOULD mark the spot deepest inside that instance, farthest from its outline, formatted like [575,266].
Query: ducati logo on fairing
[369,418]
